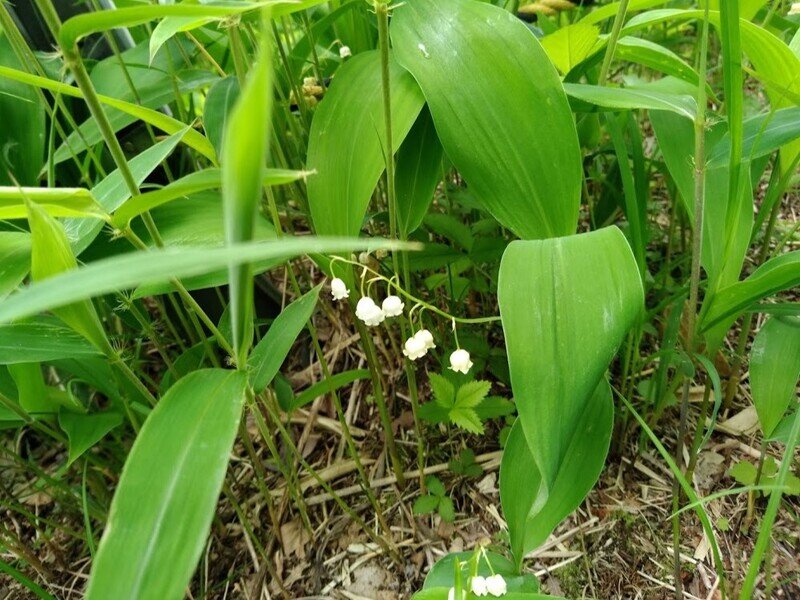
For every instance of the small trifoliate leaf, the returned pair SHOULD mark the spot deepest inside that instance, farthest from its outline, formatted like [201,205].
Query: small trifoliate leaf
[425,505]
[446,509]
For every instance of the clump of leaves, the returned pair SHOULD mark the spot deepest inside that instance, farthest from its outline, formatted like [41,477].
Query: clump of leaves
[746,473]
[465,464]
[468,406]
[435,501]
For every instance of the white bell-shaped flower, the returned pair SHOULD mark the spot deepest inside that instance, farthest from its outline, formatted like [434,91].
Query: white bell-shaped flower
[460,361]
[415,348]
[345,52]
[496,585]
[426,337]
[392,306]
[794,9]
[339,289]
[369,312]
[478,584]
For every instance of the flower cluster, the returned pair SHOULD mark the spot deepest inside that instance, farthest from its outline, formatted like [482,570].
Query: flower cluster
[417,346]
[494,585]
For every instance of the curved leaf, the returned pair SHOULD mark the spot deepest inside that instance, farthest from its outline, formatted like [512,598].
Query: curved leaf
[164,503]
[57,202]
[219,102]
[419,169]
[15,260]
[632,98]
[499,109]
[347,145]
[774,370]
[566,304]
[530,518]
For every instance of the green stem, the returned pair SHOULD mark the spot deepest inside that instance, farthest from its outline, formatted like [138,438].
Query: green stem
[611,45]
[694,284]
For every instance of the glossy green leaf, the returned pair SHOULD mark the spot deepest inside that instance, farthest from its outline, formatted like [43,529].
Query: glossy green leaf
[128,271]
[531,518]
[165,500]
[609,11]
[195,222]
[84,431]
[442,574]
[40,341]
[220,101]
[774,370]
[269,354]
[418,171]
[245,148]
[520,133]
[566,304]
[193,139]
[570,45]
[51,256]
[15,260]
[57,202]
[777,274]
[23,143]
[632,98]
[198,181]
[347,145]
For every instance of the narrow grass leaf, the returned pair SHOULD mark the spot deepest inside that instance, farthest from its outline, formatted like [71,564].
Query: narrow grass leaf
[41,340]
[128,271]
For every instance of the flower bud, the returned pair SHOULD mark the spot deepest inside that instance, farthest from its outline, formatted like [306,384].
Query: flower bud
[414,348]
[460,361]
[369,312]
[339,289]
[426,337]
[496,585]
[478,585]
[392,306]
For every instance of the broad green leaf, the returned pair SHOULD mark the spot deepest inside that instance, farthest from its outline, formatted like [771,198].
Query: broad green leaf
[532,518]
[51,256]
[321,388]
[84,431]
[195,222]
[128,271]
[510,107]
[570,45]
[566,304]
[419,170]
[269,354]
[41,340]
[609,11]
[194,139]
[198,181]
[774,370]
[112,192]
[442,593]
[57,202]
[23,136]
[775,275]
[632,98]
[442,574]
[15,260]
[245,149]
[347,143]
[32,392]
[163,506]
[219,103]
